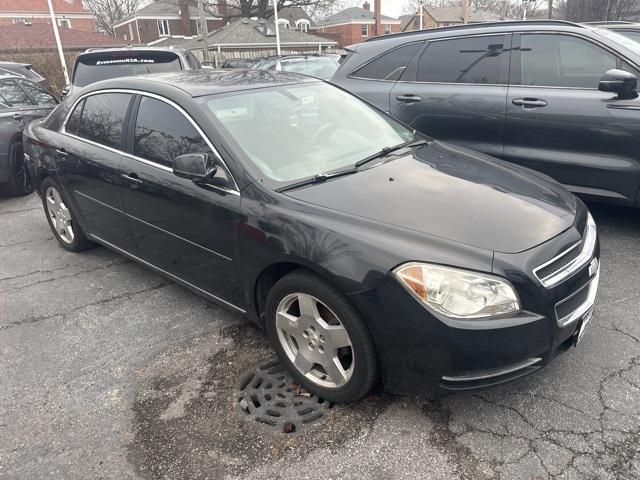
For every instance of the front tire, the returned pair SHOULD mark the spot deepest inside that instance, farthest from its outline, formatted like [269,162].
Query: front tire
[320,337]
[60,217]
[19,183]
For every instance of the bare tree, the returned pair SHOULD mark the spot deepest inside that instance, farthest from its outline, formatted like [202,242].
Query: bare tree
[261,8]
[594,10]
[108,12]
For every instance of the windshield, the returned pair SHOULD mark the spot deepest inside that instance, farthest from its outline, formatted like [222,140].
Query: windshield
[632,35]
[295,132]
[100,66]
[323,68]
[619,39]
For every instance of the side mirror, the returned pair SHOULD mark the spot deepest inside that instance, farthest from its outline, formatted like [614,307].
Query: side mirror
[198,168]
[623,83]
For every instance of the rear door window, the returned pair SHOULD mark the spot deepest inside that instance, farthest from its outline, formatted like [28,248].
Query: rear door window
[562,61]
[103,118]
[162,133]
[391,65]
[39,95]
[12,95]
[477,60]
[100,66]
[73,122]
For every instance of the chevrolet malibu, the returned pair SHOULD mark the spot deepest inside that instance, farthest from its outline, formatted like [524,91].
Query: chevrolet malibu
[369,252]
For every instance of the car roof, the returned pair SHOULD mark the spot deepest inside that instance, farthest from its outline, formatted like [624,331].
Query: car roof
[132,49]
[197,83]
[497,27]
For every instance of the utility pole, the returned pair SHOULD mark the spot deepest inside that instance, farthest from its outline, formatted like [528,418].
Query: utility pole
[204,33]
[550,9]
[421,14]
[275,16]
[56,34]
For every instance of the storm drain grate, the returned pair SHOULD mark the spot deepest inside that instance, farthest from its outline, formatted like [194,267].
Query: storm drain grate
[269,396]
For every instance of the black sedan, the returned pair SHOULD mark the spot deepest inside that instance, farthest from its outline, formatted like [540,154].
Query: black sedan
[368,252]
[21,101]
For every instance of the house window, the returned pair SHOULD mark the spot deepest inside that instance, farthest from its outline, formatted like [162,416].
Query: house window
[387,29]
[64,23]
[302,25]
[283,23]
[19,20]
[163,28]
[365,30]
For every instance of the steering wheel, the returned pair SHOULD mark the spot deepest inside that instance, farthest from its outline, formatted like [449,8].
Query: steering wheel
[327,127]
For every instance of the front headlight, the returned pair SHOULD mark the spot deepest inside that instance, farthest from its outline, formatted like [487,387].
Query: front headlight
[458,293]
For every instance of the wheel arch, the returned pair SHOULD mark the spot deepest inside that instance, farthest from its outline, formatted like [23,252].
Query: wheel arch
[270,274]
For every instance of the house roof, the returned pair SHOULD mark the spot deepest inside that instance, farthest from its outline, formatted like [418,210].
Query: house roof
[352,14]
[59,6]
[20,35]
[450,15]
[246,32]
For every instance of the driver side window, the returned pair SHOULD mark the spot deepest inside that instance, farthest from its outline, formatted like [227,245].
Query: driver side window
[162,133]
[562,61]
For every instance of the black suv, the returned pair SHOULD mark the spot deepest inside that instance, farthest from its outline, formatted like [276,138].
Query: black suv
[100,64]
[555,96]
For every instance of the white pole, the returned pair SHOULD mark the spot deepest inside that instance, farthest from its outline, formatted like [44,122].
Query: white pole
[275,15]
[58,43]
[421,16]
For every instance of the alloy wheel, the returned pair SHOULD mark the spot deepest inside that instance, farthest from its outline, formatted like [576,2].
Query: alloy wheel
[60,215]
[314,340]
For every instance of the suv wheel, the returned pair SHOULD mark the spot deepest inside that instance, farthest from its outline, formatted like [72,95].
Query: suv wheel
[19,182]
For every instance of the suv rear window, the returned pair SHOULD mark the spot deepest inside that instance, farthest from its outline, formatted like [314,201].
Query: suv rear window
[391,65]
[100,66]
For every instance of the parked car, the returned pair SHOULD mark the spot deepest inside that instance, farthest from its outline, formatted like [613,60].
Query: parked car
[100,64]
[319,66]
[364,248]
[21,101]
[239,63]
[630,30]
[550,95]
[23,70]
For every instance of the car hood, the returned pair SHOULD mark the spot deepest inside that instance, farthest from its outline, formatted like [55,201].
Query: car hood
[453,193]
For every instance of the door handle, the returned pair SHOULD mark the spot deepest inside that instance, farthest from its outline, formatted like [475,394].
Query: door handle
[529,102]
[132,178]
[17,116]
[61,152]
[409,98]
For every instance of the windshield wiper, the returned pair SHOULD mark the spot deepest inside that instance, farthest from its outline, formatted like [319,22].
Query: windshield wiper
[387,150]
[321,177]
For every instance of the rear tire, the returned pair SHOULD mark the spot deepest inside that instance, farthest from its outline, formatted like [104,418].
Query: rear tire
[321,338]
[19,183]
[61,219]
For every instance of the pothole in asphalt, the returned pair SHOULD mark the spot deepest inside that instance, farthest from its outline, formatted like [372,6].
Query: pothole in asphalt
[269,396]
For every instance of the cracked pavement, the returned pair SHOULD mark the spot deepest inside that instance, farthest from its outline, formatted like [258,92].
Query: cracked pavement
[111,371]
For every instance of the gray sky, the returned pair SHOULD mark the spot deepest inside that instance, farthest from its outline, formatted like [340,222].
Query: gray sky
[392,8]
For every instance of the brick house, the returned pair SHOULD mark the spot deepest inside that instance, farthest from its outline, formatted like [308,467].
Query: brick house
[433,17]
[355,25]
[68,13]
[165,18]
[26,36]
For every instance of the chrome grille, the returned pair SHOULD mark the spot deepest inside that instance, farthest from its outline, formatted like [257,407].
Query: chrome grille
[578,303]
[571,260]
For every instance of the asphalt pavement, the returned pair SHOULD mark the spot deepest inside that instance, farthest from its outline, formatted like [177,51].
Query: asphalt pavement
[109,371]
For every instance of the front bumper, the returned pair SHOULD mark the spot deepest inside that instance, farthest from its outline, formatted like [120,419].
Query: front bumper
[419,351]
